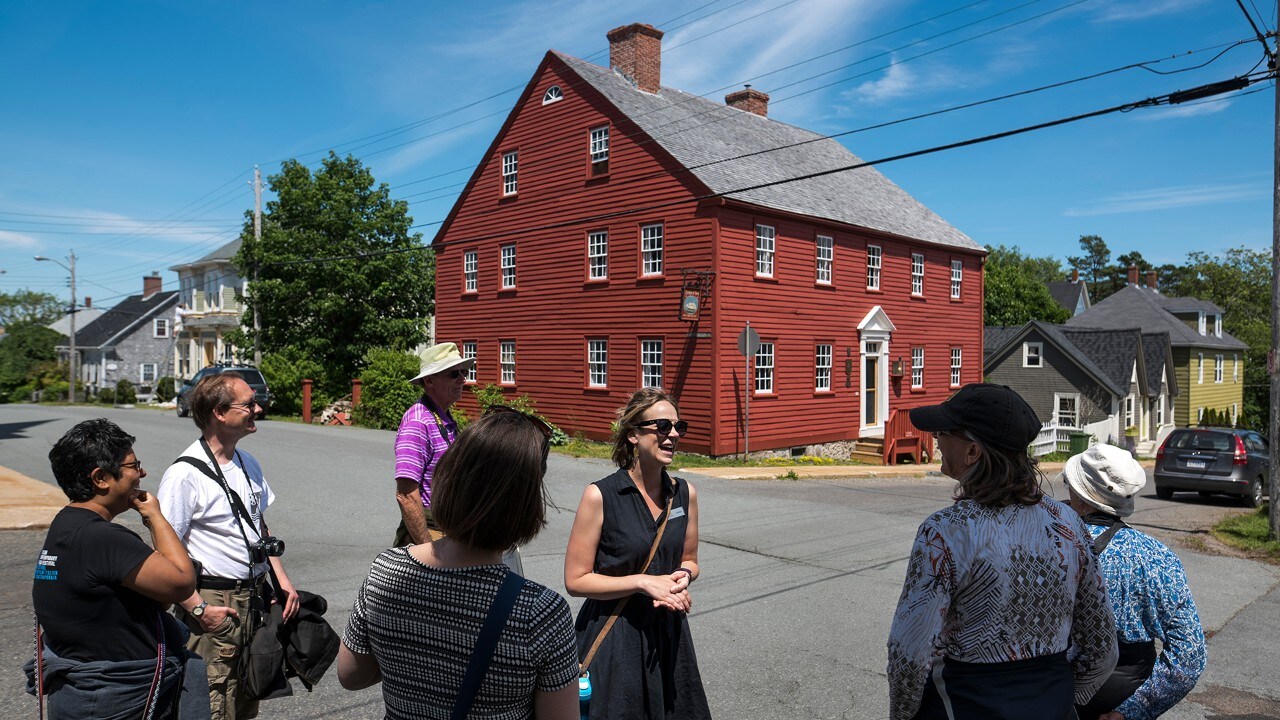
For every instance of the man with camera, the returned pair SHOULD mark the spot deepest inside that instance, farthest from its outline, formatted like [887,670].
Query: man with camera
[215,496]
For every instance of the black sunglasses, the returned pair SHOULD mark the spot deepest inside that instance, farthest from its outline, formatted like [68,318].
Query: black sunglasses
[663,426]
[538,422]
[454,374]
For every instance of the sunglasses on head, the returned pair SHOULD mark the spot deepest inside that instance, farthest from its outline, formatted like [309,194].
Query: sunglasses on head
[537,422]
[663,426]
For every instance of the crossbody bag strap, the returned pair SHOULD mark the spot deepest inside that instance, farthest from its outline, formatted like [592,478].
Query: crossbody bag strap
[237,505]
[1114,525]
[39,667]
[622,601]
[152,695]
[494,622]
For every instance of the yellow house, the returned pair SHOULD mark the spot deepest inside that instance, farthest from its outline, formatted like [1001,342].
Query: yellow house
[1208,362]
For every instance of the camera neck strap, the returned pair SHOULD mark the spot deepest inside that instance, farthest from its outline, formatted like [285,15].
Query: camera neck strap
[214,472]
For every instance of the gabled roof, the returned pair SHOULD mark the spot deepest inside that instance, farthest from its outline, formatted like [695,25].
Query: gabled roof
[222,254]
[994,337]
[121,320]
[1187,304]
[1134,306]
[1108,356]
[701,135]
[84,316]
[1068,294]
[1158,354]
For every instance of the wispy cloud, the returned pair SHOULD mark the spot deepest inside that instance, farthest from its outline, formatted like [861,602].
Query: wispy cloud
[1171,197]
[1184,111]
[1143,9]
[17,241]
[897,81]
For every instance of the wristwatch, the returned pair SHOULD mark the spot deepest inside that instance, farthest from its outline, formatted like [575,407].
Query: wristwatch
[198,610]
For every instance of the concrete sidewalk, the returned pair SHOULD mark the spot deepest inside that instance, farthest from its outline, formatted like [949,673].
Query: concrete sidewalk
[807,472]
[27,503]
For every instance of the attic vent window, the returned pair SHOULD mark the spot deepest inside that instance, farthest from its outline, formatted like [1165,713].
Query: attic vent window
[553,94]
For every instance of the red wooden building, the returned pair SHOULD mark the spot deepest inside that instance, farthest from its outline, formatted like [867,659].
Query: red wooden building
[607,205]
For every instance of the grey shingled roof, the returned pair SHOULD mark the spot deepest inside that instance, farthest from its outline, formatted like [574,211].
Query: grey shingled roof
[1067,293]
[1155,348]
[226,252]
[1186,304]
[130,312]
[1088,353]
[1114,352]
[1135,306]
[696,131]
[994,337]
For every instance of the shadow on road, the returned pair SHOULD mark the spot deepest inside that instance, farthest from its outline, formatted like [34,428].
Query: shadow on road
[10,431]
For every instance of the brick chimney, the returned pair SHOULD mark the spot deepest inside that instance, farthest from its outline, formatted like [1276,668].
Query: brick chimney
[1075,275]
[88,301]
[1151,279]
[151,284]
[1133,274]
[635,50]
[753,101]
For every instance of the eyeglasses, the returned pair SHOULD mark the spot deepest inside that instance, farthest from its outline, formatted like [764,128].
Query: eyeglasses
[663,426]
[939,433]
[248,406]
[454,374]
[136,465]
[537,422]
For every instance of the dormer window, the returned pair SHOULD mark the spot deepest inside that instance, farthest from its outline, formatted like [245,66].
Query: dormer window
[1201,322]
[1217,326]
[553,94]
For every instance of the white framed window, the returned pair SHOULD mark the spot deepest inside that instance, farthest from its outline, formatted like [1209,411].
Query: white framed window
[471,271]
[553,94]
[228,352]
[822,368]
[1235,413]
[917,367]
[1066,409]
[957,277]
[1199,415]
[598,255]
[160,327]
[1160,410]
[508,266]
[766,237]
[147,373]
[764,369]
[1217,325]
[1235,368]
[184,360]
[955,366]
[469,352]
[824,257]
[598,146]
[1129,402]
[873,267]
[598,363]
[507,361]
[1032,354]
[651,363]
[1201,322]
[510,166]
[1200,368]
[651,249]
[1217,368]
[917,273]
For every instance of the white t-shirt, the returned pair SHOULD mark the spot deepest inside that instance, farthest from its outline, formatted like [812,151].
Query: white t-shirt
[200,513]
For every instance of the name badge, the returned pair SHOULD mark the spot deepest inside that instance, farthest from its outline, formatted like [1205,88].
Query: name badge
[677,513]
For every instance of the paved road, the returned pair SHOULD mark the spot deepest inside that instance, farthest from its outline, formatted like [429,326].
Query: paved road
[790,618]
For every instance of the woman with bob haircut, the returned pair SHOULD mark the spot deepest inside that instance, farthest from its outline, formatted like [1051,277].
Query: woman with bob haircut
[644,666]
[418,615]
[1001,584]
[99,593]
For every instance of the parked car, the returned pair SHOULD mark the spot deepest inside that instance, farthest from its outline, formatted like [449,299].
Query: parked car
[1214,460]
[251,375]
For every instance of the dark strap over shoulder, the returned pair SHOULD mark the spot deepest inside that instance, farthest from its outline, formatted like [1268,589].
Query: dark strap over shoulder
[494,622]
[242,513]
[1114,524]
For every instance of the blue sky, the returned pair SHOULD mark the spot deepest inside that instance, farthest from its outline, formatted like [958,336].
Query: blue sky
[130,130]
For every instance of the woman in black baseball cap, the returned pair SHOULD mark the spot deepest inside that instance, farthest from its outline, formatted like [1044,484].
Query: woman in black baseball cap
[1000,583]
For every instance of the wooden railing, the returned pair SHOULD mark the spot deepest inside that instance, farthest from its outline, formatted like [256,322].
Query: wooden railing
[902,438]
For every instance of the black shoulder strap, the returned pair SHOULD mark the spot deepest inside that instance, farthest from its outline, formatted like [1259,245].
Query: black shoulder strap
[494,622]
[242,513]
[1100,543]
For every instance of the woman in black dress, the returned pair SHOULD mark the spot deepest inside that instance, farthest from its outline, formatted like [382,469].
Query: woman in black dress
[645,666]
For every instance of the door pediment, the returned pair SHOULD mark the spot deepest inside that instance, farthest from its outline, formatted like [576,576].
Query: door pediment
[876,321]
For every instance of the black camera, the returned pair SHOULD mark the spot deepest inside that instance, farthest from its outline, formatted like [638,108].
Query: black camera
[268,547]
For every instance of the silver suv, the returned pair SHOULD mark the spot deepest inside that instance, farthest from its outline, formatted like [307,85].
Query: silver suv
[1214,460]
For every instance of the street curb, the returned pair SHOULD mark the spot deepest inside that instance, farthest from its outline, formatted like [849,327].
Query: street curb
[27,503]
[814,472]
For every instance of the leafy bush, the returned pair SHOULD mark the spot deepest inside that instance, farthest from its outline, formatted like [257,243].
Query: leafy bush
[125,394]
[54,391]
[460,417]
[164,389]
[490,394]
[285,370]
[107,395]
[386,392]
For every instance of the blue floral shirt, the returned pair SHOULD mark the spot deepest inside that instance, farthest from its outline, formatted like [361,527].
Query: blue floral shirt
[1151,601]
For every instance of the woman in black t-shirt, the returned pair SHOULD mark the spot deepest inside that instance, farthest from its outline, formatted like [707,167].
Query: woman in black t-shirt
[99,590]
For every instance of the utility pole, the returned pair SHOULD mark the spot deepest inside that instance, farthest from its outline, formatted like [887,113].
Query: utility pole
[1273,355]
[71,318]
[257,249]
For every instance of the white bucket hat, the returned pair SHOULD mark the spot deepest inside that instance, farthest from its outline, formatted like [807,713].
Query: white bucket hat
[1106,477]
[438,358]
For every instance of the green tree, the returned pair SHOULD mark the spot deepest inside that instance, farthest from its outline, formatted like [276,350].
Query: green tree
[377,291]
[1017,288]
[285,369]
[1093,263]
[1239,281]
[40,308]
[24,345]
[386,392]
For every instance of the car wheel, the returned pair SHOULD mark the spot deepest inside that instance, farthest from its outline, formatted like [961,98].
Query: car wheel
[1164,493]
[1206,494]
[182,408]
[1255,498]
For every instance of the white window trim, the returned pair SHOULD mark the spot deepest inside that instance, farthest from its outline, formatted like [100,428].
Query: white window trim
[507,362]
[597,362]
[508,279]
[471,271]
[553,94]
[1218,369]
[917,274]
[598,145]
[824,259]
[658,346]
[1201,323]
[1200,369]
[156,324]
[822,360]
[651,249]
[875,260]
[957,364]
[766,244]
[1217,325]
[142,373]
[1026,354]
[469,351]
[1235,369]
[598,255]
[765,361]
[510,172]
[917,368]
[1057,409]
[957,278]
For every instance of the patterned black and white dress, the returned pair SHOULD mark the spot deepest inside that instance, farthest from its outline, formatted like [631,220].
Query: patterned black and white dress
[994,587]
[646,668]
[421,624]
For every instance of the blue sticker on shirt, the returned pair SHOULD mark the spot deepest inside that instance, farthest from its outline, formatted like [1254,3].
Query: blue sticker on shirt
[677,513]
